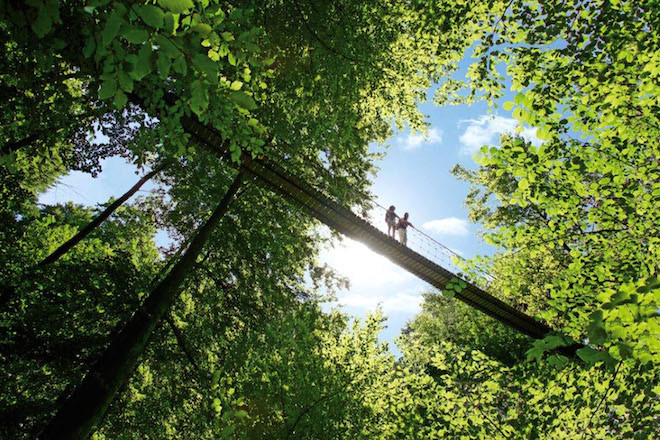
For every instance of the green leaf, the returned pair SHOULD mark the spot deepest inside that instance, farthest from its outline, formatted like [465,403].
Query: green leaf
[166,44]
[241,414]
[217,406]
[177,6]
[553,341]
[199,97]
[170,23]
[235,153]
[231,58]
[508,106]
[90,46]
[227,431]
[143,64]
[164,63]
[151,15]
[535,353]
[135,36]
[544,133]
[125,82]
[236,85]
[120,100]
[180,65]
[108,89]
[202,28]
[591,356]
[558,360]
[43,24]
[111,28]
[206,65]
[57,44]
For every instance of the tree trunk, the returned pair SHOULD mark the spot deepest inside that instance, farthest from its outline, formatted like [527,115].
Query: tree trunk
[84,409]
[64,248]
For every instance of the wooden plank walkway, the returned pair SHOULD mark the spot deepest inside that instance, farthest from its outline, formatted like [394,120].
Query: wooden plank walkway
[274,177]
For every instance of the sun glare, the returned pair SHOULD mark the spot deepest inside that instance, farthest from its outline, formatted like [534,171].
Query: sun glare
[362,266]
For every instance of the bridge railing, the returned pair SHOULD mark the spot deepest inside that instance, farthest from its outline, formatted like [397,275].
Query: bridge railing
[425,245]
[417,240]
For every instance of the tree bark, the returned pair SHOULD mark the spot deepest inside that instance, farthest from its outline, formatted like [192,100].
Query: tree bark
[107,212]
[10,147]
[84,409]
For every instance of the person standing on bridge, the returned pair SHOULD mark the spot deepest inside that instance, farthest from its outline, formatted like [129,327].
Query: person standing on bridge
[401,227]
[390,219]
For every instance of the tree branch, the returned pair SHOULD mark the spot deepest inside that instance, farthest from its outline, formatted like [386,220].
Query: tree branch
[307,410]
[607,392]
[181,341]
[65,247]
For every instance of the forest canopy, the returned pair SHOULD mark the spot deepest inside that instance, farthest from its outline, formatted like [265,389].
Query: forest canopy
[223,334]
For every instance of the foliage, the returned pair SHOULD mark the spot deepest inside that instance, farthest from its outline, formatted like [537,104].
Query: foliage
[246,351]
[575,216]
[446,319]
[59,318]
[579,241]
[483,399]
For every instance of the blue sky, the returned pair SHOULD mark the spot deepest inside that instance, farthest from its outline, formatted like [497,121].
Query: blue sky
[414,176]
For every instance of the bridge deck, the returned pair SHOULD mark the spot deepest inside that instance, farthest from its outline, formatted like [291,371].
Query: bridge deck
[343,220]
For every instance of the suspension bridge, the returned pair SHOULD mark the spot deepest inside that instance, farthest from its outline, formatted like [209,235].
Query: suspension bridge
[423,262]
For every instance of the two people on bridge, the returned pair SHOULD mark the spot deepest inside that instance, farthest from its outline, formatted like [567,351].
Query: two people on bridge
[401,225]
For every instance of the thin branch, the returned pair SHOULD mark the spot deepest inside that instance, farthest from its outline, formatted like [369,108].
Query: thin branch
[334,50]
[499,20]
[319,39]
[181,342]
[607,392]
[307,410]
[65,247]
[486,416]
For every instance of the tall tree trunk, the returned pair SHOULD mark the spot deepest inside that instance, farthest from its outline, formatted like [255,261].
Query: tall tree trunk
[64,248]
[86,406]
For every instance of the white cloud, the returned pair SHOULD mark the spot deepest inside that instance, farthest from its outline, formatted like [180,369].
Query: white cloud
[447,226]
[416,140]
[486,130]
[406,301]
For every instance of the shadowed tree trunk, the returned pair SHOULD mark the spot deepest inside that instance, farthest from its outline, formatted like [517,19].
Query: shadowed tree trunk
[107,212]
[84,409]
